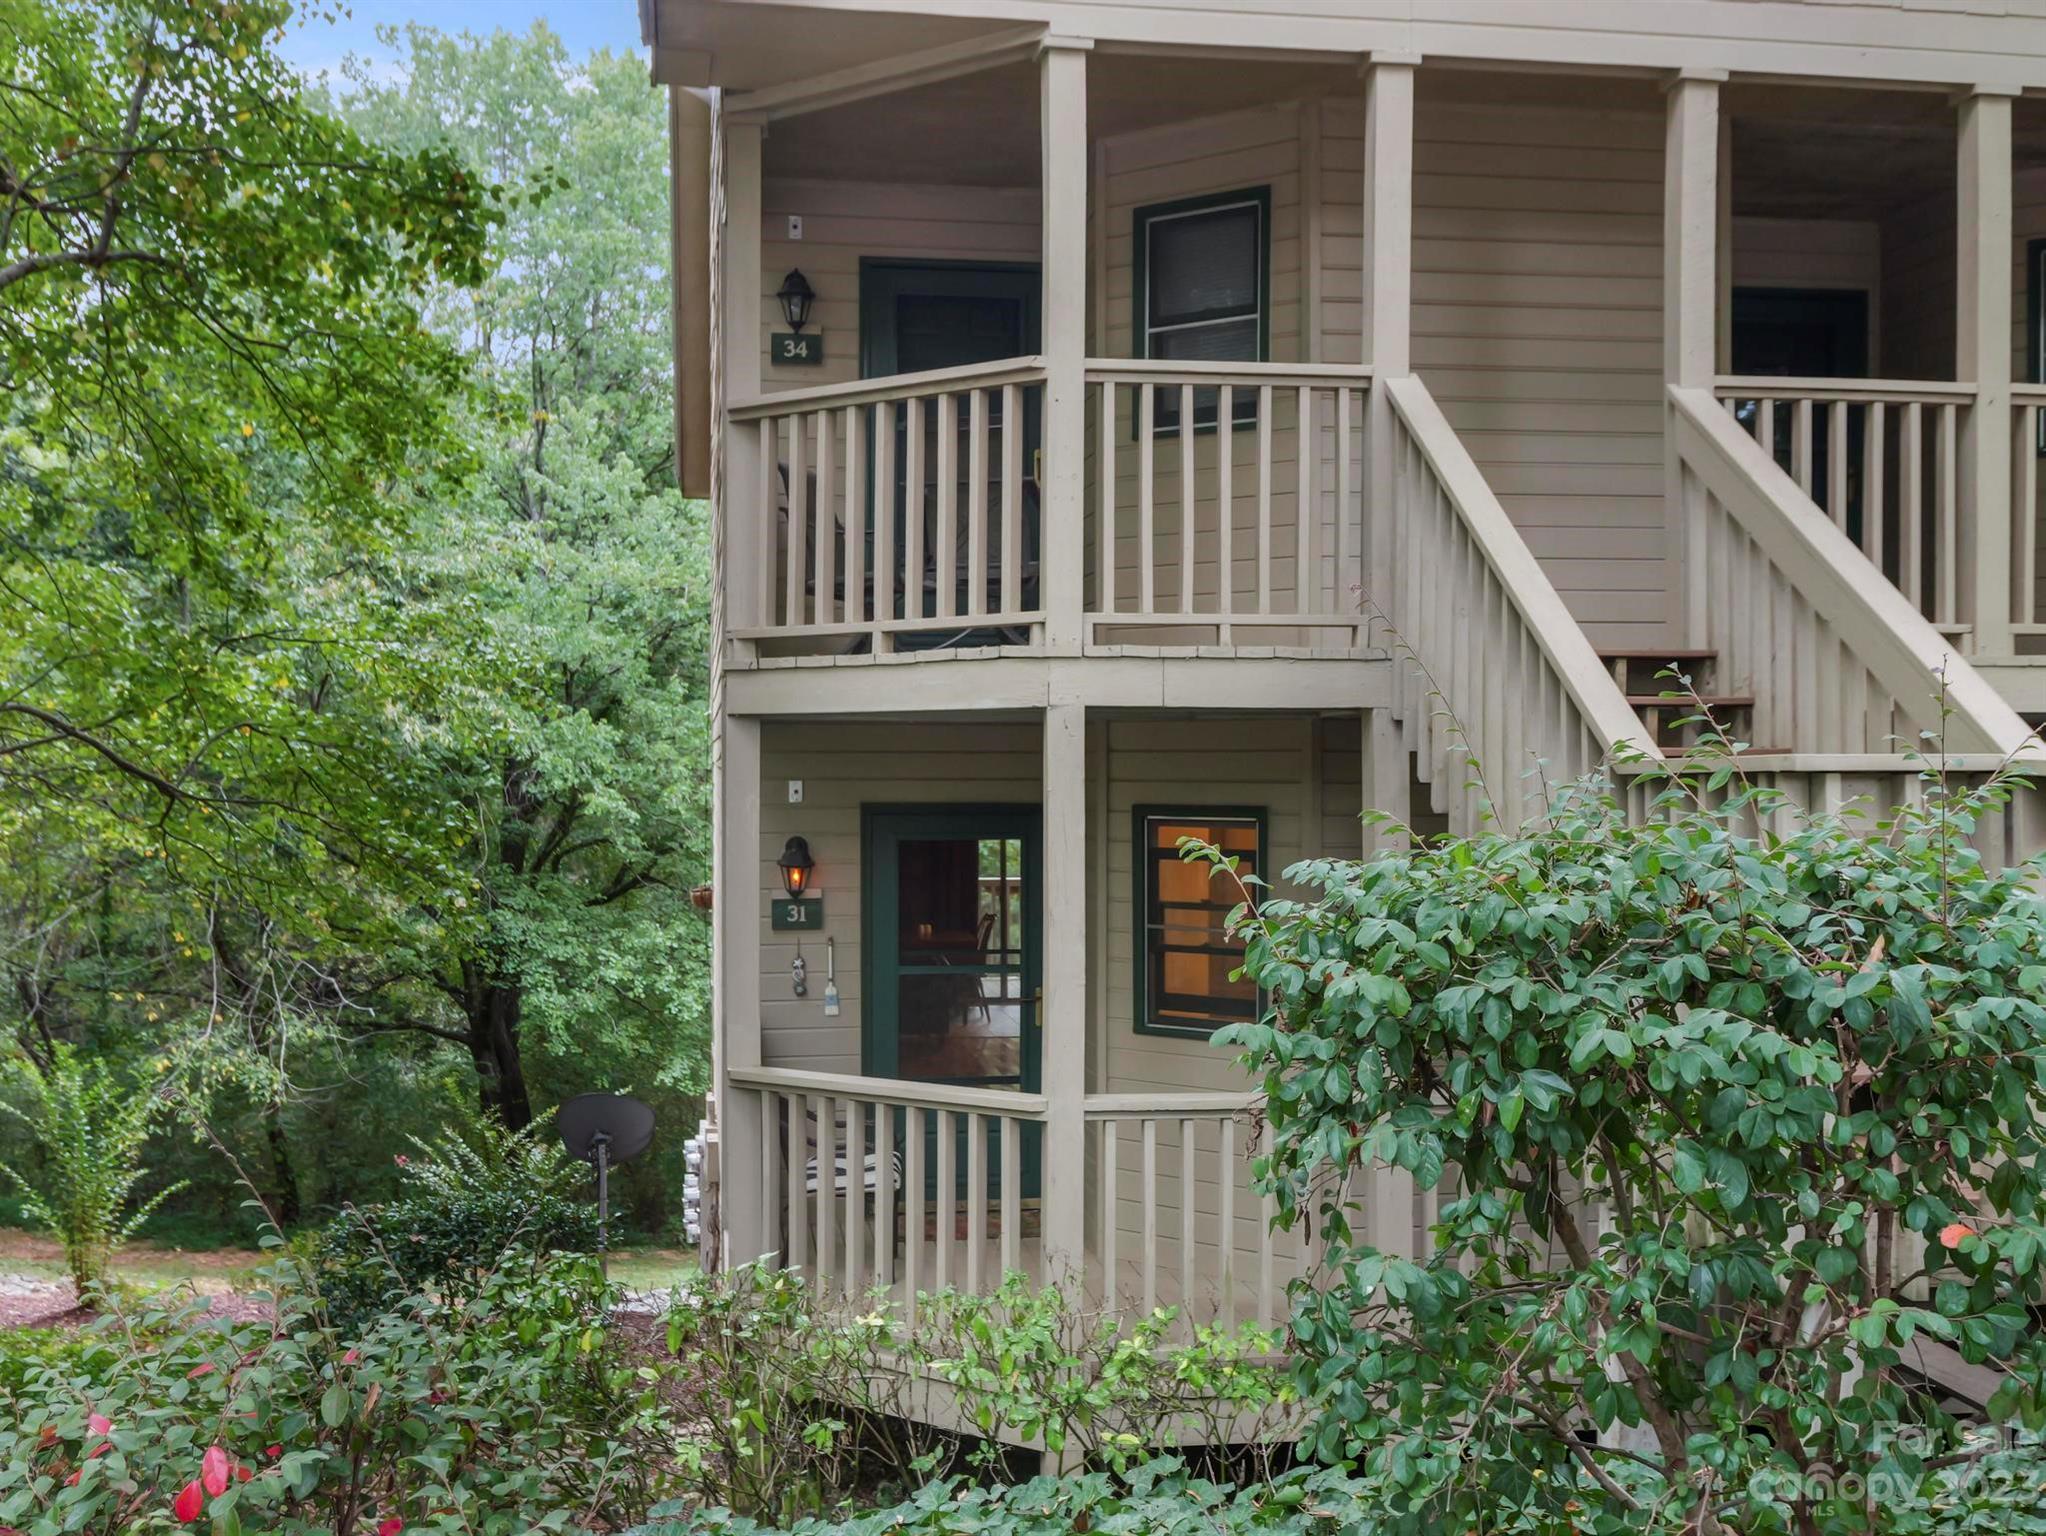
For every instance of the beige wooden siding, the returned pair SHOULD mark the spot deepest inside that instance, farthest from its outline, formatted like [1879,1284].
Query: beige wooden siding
[845,764]
[1233,152]
[1537,323]
[1813,253]
[844,221]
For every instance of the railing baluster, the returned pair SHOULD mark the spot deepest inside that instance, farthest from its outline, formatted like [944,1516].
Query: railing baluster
[1268,1212]
[1836,462]
[884,520]
[912,1206]
[825,1112]
[1306,515]
[945,546]
[855,515]
[1189,1248]
[1765,425]
[1012,498]
[884,1196]
[797,1165]
[1147,548]
[1874,509]
[976,1198]
[1344,495]
[824,523]
[1150,1229]
[1111,1218]
[2025,480]
[771,516]
[1189,484]
[976,503]
[913,509]
[1225,502]
[1801,444]
[1264,498]
[855,1213]
[1011,1214]
[947,1202]
[1105,444]
[1911,499]
[1225,1245]
[1947,510]
[796,524]
[770,1174]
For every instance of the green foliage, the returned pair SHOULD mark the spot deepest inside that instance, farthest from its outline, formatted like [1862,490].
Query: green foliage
[794,1403]
[92,1131]
[1156,1497]
[471,1210]
[516,1411]
[25,1353]
[1727,1124]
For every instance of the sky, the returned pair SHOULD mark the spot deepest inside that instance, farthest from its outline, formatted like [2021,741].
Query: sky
[315,44]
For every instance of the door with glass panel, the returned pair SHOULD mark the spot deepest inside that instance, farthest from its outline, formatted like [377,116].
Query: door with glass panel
[952,962]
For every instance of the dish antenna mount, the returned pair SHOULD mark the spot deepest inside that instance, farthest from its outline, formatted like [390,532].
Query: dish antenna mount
[602,1129]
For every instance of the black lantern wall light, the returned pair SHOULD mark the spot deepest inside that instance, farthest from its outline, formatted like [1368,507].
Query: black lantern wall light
[797,870]
[796,296]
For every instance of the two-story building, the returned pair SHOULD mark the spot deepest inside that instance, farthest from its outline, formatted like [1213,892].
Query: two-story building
[1134,421]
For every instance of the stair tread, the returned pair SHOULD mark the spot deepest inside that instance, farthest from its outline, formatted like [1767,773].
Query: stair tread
[1656,653]
[1666,700]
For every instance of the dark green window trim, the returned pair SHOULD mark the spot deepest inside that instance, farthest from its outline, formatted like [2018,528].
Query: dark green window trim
[1141,902]
[2035,324]
[1166,410]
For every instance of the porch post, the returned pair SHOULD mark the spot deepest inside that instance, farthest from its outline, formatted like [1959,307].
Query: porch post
[1690,295]
[1062,68]
[735,1010]
[1062,1016]
[1982,355]
[1388,279]
[747,538]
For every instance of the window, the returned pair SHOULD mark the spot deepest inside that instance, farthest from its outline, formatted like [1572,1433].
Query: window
[1185,956]
[2035,325]
[1203,289]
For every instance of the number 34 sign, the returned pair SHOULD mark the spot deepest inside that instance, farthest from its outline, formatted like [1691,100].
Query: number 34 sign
[784,347]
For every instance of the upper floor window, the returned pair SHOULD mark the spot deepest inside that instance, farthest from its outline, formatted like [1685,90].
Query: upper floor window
[1203,290]
[1186,957]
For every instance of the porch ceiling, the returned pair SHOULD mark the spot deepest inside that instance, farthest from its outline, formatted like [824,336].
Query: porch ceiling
[753,45]
[981,129]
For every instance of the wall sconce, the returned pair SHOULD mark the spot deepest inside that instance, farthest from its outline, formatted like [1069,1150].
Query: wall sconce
[796,295]
[796,867]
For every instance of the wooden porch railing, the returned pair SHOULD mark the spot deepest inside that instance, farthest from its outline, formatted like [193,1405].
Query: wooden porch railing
[1880,458]
[1836,663]
[872,1183]
[1257,525]
[893,506]
[1488,636]
[2027,442]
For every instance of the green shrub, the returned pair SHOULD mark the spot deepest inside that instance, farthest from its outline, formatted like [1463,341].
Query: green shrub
[467,1205]
[1722,1123]
[515,1411]
[25,1352]
[92,1132]
[1156,1497]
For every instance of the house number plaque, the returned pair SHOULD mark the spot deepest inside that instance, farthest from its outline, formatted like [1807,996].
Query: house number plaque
[784,348]
[802,915]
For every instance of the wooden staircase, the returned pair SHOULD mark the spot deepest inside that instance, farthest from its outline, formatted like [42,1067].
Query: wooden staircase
[1676,692]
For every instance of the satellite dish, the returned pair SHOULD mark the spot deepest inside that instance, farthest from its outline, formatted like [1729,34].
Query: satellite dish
[604,1128]
[626,1126]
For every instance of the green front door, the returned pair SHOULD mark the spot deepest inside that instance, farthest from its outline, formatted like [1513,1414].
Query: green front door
[952,959]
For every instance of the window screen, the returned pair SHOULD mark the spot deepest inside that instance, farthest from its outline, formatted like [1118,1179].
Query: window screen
[1186,956]
[1202,274]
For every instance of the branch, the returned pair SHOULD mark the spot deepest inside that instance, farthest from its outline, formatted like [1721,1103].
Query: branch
[62,727]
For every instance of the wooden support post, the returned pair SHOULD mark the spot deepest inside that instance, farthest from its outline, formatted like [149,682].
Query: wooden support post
[1062,1018]
[1690,293]
[1386,779]
[1388,277]
[1982,355]
[736,917]
[746,533]
[1062,65]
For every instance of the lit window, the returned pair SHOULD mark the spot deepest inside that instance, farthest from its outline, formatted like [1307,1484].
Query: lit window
[1186,958]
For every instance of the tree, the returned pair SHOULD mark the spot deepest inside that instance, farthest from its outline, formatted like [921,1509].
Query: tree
[1724,1125]
[575,581]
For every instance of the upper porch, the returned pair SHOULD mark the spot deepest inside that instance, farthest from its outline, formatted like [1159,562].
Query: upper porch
[1031,258]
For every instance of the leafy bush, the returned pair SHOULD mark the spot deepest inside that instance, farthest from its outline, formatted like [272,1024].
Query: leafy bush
[92,1132]
[1156,1497]
[468,1204]
[26,1351]
[1728,1122]
[515,1411]
[794,1403]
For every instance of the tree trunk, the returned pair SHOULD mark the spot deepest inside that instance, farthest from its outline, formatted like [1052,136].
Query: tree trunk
[282,1178]
[494,1047]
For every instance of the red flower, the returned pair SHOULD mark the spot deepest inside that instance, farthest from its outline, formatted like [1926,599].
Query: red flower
[99,1424]
[199,1370]
[391,1527]
[213,1471]
[190,1504]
